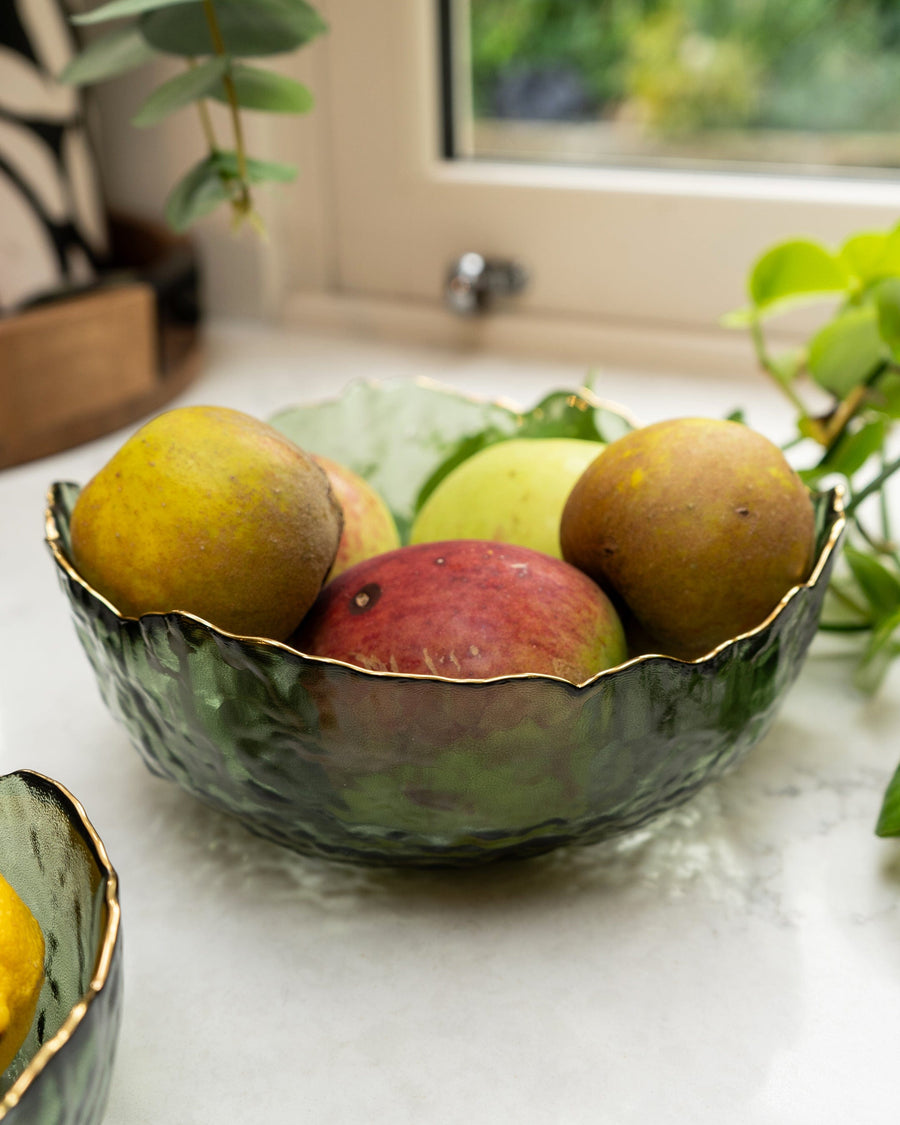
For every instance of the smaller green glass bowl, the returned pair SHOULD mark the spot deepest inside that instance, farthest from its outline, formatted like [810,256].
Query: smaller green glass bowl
[382,768]
[55,861]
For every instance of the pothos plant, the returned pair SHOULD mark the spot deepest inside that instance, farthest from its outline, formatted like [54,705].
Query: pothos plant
[844,383]
[211,38]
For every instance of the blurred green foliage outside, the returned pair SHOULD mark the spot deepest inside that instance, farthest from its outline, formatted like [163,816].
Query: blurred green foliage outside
[679,66]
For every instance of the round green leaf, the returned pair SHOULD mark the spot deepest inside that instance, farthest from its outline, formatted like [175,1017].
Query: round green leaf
[796,271]
[108,55]
[248,27]
[260,89]
[197,82]
[887,303]
[871,255]
[846,351]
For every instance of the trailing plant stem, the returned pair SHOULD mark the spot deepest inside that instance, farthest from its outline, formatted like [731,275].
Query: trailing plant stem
[242,204]
[873,486]
[205,120]
[765,362]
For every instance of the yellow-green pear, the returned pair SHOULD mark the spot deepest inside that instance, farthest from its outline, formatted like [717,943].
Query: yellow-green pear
[511,492]
[212,512]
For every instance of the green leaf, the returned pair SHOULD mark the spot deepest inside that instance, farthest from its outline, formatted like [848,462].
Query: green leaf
[787,366]
[116,9]
[855,449]
[739,318]
[887,304]
[889,817]
[793,272]
[263,90]
[196,194]
[248,27]
[108,55]
[258,171]
[880,653]
[879,586]
[846,351]
[885,395]
[862,252]
[197,82]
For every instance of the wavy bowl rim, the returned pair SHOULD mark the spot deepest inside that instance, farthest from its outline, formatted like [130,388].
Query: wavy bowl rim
[836,509]
[104,959]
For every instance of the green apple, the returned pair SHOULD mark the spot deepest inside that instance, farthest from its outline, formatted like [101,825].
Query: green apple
[511,492]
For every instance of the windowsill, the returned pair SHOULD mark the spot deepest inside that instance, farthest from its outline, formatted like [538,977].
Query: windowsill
[585,343]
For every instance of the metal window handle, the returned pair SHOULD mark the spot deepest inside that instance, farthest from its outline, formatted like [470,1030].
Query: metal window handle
[473,282]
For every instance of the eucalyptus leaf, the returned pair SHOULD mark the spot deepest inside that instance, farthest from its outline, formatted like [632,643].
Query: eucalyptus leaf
[248,27]
[264,90]
[879,586]
[795,271]
[844,353]
[107,56]
[258,171]
[117,9]
[196,194]
[182,90]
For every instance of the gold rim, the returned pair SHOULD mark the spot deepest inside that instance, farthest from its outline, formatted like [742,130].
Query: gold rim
[579,394]
[104,958]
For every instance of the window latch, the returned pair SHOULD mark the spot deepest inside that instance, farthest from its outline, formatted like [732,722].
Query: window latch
[473,282]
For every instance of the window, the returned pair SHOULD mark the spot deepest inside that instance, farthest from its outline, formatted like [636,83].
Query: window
[640,257]
[807,87]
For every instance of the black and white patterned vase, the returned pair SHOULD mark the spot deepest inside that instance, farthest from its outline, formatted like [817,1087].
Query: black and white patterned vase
[52,222]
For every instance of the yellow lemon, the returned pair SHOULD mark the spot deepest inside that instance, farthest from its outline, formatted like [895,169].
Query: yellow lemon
[21,971]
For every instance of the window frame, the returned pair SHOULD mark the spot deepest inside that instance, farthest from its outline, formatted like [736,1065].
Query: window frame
[657,256]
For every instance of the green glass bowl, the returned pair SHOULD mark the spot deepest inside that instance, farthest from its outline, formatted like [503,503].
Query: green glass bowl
[56,863]
[377,767]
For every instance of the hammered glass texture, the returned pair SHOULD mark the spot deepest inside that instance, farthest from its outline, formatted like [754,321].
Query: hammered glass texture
[48,856]
[385,769]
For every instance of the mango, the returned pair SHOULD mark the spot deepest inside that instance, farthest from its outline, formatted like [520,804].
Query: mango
[465,609]
[697,526]
[212,512]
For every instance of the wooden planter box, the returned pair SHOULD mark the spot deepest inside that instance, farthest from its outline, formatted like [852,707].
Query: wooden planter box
[78,366]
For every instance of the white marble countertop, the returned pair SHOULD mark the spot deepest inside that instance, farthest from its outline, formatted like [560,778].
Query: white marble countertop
[739,962]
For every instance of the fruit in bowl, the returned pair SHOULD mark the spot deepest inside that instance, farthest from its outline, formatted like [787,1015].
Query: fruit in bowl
[368,526]
[697,525]
[209,511]
[382,766]
[512,491]
[66,931]
[465,609]
[21,971]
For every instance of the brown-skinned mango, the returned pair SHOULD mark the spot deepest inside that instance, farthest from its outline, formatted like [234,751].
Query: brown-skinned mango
[698,526]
